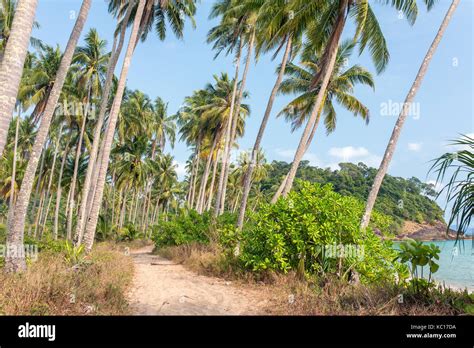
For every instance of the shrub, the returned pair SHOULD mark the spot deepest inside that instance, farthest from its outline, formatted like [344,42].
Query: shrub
[301,232]
[186,227]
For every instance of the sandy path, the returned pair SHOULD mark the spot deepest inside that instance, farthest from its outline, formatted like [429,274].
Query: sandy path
[162,287]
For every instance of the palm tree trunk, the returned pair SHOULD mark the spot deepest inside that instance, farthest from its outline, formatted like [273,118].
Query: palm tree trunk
[50,182]
[211,188]
[97,201]
[392,144]
[236,117]
[325,74]
[15,150]
[17,223]
[228,134]
[196,171]
[38,213]
[59,192]
[258,140]
[91,167]
[35,201]
[74,178]
[308,143]
[205,177]
[11,65]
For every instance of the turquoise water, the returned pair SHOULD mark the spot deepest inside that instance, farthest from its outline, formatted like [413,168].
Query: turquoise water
[456,264]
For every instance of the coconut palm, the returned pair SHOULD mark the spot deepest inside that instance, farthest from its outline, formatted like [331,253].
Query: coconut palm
[392,144]
[12,63]
[340,89]
[325,35]
[17,219]
[460,188]
[272,24]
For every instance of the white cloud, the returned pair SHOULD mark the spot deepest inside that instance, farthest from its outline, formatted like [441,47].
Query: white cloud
[337,154]
[348,153]
[414,146]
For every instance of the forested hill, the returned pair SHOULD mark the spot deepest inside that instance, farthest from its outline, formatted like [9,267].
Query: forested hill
[402,199]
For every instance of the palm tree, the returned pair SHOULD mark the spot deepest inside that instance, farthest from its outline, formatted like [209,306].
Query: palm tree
[15,263]
[273,16]
[88,191]
[340,88]
[39,80]
[107,142]
[11,66]
[460,188]
[403,115]
[228,35]
[7,13]
[327,38]
[175,11]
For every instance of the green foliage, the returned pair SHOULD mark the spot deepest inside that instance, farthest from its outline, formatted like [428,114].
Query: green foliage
[188,226]
[303,230]
[184,228]
[401,199]
[419,255]
[74,255]
[128,233]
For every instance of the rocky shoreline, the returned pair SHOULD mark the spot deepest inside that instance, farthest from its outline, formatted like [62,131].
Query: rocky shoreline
[427,232]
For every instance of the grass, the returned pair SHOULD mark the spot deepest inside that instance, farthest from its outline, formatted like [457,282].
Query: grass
[288,294]
[52,286]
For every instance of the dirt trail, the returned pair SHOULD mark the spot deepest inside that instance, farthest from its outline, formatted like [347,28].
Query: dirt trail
[162,287]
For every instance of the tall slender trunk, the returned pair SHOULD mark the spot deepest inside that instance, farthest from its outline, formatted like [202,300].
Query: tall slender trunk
[11,65]
[38,213]
[196,171]
[211,188]
[323,76]
[308,143]
[72,204]
[233,135]
[15,149]
[392,144]
[49,197]
[205,176]
[258,140]
[227,138]
[95,209]
[17,223]
[59,192]
[92,166]
[37,190]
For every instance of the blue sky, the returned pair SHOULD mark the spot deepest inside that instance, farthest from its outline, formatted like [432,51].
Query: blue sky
[175,68]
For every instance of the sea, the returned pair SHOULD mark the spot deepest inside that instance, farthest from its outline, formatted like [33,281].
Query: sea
[456,264]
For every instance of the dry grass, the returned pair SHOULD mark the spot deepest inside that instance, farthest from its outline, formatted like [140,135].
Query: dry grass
[50,286]
[289,295]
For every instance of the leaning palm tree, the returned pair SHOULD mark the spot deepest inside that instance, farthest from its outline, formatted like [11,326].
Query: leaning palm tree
[11,66]
[340,89]
[92,172]
[272,23]
[16,223]
[173,11]
[326,38]
[392,144]
[460,188]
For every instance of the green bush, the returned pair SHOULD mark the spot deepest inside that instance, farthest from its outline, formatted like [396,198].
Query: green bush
[305,231]
[188,226]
